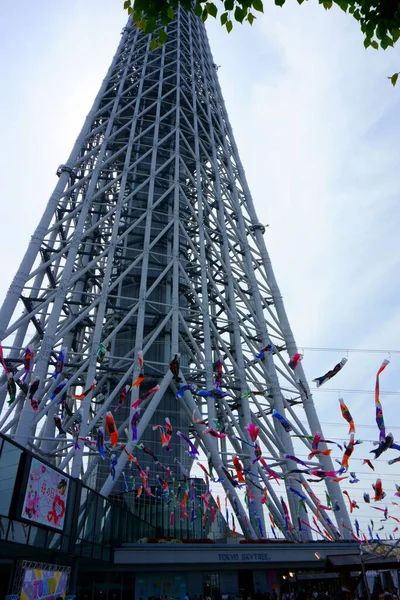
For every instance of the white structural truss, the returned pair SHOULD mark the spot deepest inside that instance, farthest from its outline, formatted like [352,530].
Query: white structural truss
[150,243]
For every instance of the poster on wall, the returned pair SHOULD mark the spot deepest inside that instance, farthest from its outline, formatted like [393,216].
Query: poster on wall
[40,584]
[46,496]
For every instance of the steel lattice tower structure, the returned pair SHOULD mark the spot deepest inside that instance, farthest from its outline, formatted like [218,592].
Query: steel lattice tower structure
[150,242]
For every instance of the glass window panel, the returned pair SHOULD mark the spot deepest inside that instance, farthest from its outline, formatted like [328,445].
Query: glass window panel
[9,461]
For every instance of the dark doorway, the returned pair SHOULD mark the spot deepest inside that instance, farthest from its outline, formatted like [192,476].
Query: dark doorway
[246,583]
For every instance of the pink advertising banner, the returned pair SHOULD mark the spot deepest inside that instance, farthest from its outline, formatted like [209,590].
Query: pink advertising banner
[46,496]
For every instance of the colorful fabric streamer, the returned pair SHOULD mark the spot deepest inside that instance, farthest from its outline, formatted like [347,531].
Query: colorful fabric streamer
[324,378]
[101,353]
[378,407]
[282,420]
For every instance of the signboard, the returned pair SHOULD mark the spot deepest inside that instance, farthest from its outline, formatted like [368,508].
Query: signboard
[40,584]
[45,497]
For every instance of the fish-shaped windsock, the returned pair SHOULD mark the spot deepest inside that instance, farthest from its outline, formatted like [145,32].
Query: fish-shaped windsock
[379,493]
[394,460]
[192,448]
[3,362]
[384,445]
[268,349]
[347,416]
[174,368]
[33,388]
[349,449]
[295,459]
[60,363]
[282,420]
[101,353]
[58,424]
[295,360]
[122,396]
[134,423]
[357,526]
[214,433]
[188,387]
[100,443]
[28,362]
[218,367]
[113,464]
[366,461]
[324,378]
[11,389]
[378,407]
[85,393]
[322,474]
[111,429]
[238,468]
[253,431]
[145,396]
[366,497]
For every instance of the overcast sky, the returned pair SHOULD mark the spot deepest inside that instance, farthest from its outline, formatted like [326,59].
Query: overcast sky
[317,126]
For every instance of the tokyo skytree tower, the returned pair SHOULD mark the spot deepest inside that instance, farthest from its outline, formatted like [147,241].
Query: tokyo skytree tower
[146,303]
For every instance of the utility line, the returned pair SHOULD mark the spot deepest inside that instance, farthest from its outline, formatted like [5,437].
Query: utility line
[349,350]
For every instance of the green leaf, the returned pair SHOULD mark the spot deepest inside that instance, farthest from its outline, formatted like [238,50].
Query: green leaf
[394,78]
[229,26]
[224,18]
[367,42]
[240,14]
[198,10]
[162,36]
[229,4]
[258,5]
[204,15]
[127,4]
[153,44]
[375,45]
[279,2]
[212,9]
[251,18]
[395,34]
[150,25]
[171,13]
[327,4]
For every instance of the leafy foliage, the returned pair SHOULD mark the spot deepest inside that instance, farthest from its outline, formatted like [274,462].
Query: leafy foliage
[379,19]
